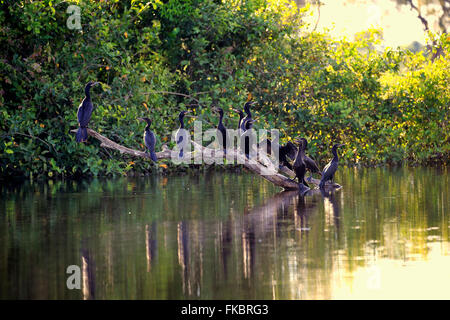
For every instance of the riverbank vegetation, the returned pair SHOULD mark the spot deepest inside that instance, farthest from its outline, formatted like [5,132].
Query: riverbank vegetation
[153,58]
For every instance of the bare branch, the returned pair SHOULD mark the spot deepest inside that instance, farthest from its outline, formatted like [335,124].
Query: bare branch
[419,15]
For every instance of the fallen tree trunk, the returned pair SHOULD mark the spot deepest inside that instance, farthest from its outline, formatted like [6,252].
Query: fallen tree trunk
[107,143]
[211,154]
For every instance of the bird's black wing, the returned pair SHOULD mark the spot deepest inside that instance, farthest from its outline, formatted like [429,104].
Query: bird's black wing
[84,112]
[311,164]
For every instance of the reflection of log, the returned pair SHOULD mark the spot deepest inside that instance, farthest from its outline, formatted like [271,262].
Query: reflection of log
[260,167]
[262,217]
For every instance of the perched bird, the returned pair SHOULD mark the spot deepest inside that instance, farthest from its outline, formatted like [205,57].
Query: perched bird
[84,113]
[221,128]
[179,134]
[289,150]
[149,139]
[299,164]
[310,163]
[241,116]
[248,126]
[330,169]
[248,117]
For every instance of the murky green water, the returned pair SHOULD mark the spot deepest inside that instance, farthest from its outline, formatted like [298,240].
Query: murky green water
[228,236]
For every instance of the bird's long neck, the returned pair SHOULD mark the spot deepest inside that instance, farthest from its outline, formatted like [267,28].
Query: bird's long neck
[181,118]
[335,156]
[241,116]
[147,127]
[300,154]
[249,114]
[220,118]
[87,92]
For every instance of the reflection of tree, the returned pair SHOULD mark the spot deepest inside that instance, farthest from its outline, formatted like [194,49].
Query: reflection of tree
[150,244]
[183,255]
[226,238]
[248,250]
[88,275]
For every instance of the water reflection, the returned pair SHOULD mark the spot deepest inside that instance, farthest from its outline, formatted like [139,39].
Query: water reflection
[228,236]
[88,275]
[151,244]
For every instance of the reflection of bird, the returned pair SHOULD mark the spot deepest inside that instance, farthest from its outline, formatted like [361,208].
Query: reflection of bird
[331,206]
[84,113]
[149,139]
[179,134]
[248,116]
[330,169]
[299,164]
[221,128]
[310,163]
[241,116]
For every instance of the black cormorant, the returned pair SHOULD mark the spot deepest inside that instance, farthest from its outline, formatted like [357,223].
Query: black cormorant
[299,164]
[330,169]
[221,128]
[248,125]
[84,113]
[248,117]
[310,163]
[149,139]
[289,150]
[179,135]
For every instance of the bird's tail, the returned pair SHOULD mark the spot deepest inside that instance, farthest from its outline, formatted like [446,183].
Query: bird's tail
[153,156]
[81,134]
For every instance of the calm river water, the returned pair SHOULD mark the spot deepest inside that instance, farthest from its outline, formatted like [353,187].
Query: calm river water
[385,234]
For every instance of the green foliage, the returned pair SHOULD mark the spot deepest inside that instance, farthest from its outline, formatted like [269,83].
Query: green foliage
[387,106]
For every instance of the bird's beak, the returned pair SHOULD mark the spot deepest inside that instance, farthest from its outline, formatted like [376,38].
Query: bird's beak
[188,111]
[95,83]
[341,145]
[215,109]
[235,110]
[253,102]
[141,119]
